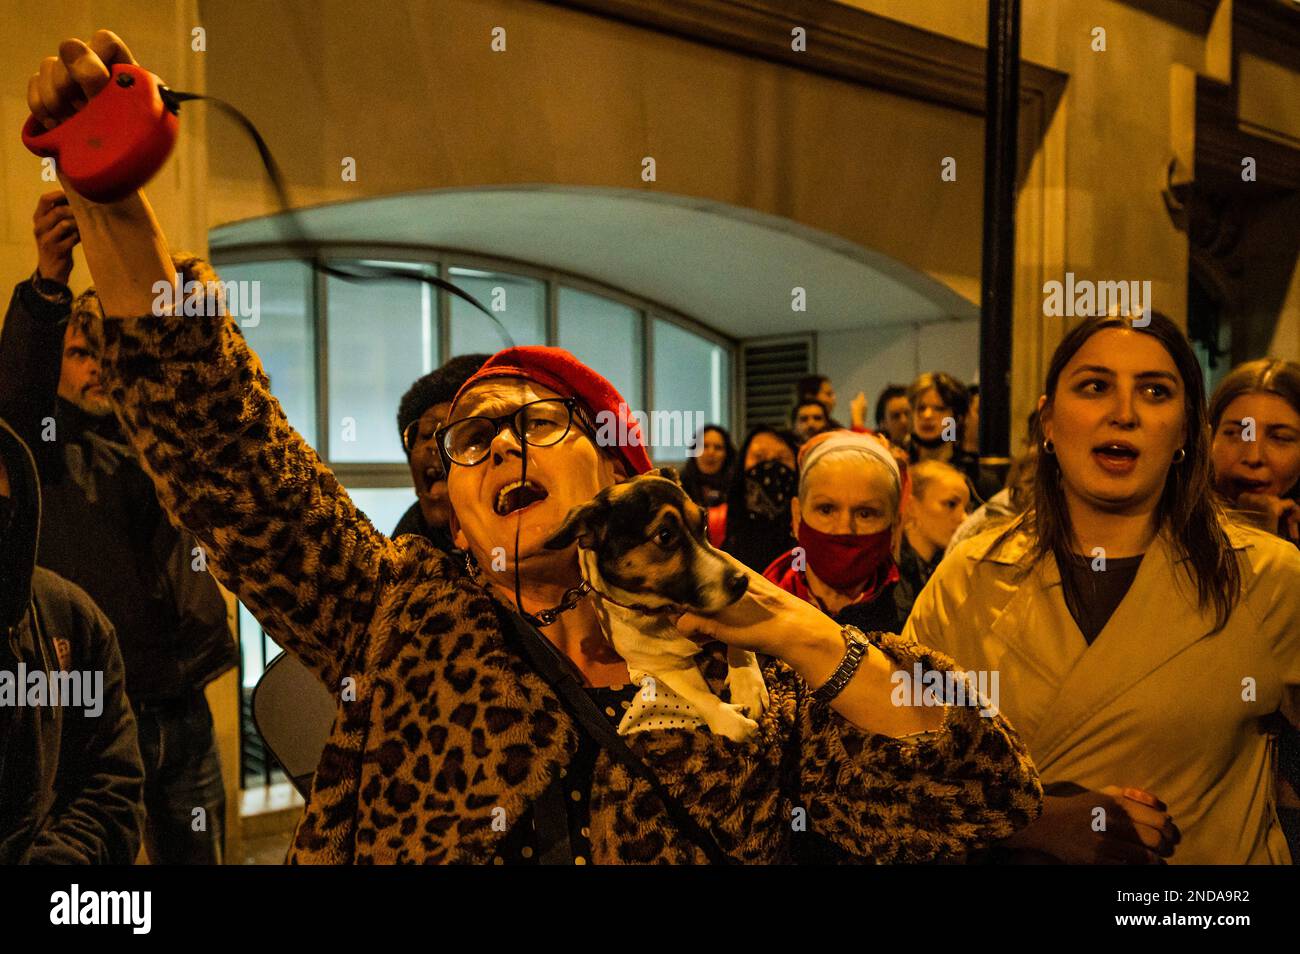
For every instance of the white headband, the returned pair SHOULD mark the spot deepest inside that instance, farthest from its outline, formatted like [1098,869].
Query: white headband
[841,441]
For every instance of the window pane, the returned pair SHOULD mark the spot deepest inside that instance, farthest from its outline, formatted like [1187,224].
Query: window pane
[282,335]
[250,647]
[518,303]
[605,335]
[382,336]
[383,505]
[692,387]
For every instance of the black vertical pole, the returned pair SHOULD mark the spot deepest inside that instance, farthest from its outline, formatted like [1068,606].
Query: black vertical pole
[1001,142]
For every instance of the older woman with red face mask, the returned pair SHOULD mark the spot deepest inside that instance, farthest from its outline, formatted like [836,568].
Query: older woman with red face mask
[461,734]
[846,521]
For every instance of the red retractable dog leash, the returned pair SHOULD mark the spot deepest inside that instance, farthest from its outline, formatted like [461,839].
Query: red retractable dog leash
[126,132]
[118,142]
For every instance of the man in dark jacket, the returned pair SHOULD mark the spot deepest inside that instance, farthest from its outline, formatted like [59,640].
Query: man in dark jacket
[104,531]
[70,774]
[422,410]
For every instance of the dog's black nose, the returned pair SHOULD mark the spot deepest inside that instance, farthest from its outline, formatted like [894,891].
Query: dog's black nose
[736,584]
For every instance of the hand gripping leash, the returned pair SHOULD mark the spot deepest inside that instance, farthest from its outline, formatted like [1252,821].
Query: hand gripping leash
[122,137]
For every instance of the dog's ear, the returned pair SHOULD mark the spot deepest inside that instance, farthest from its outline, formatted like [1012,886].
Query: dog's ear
[668,473]
[583,524]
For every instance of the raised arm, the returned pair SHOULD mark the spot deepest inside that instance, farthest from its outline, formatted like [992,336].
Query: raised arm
[31,343]
[278,528]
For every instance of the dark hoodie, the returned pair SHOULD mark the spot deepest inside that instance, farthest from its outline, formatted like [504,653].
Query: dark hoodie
[103,527]
[71,782]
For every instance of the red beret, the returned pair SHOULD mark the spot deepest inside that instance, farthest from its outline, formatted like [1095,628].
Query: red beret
[561,372]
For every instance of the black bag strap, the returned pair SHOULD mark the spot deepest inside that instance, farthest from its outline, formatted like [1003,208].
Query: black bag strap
[559,673]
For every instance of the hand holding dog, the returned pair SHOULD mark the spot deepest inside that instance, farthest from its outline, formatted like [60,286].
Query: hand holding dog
[765,620]
[770,621]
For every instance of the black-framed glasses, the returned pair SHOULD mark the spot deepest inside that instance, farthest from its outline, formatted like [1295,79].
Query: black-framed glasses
[419,431]
[538,423]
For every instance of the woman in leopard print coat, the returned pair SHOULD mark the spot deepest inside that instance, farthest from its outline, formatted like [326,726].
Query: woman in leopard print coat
[443,729]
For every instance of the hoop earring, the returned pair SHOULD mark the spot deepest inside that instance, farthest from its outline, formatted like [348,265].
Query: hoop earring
[1180,455]
[1049,447]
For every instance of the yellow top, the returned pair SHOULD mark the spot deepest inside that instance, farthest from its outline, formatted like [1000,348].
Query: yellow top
[1154,702]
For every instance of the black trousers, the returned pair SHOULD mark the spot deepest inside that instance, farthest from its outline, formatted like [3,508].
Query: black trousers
[184,796]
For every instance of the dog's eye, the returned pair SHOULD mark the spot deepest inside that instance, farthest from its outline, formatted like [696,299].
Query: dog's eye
[666,536]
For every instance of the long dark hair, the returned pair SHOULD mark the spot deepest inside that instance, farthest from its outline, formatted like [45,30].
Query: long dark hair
[1187,508]
[1265,376]
[693,479]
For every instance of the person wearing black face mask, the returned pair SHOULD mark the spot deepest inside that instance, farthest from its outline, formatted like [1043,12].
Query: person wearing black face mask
[71,780]
[846,519]
[757,511]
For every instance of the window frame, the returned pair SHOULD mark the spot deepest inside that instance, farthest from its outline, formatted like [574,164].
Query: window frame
[440,261]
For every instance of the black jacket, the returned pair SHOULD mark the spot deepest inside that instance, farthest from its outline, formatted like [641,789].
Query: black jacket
[913,574]
[103,528]
[413,522]
[71,782]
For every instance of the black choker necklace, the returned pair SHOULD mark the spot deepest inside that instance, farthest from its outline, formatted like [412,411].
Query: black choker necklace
[572,597]
[929,444]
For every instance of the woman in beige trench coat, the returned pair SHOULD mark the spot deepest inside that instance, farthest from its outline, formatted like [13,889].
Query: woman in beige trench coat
[1141,674]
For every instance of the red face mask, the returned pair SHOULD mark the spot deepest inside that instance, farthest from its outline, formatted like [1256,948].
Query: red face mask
[847,561]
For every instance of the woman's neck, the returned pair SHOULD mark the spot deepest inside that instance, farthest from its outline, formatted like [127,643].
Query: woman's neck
[924,547]
[832,600]
[1119,533]
[576,632]
[941,452]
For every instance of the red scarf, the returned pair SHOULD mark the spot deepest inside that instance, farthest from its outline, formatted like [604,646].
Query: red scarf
[782,572]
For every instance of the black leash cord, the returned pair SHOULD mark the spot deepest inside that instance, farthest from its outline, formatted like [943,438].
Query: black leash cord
[308,249]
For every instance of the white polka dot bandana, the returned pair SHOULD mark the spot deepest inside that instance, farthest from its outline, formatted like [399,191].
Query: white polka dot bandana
[655,706]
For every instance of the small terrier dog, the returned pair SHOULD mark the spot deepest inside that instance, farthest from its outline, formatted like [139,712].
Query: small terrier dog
[643,548]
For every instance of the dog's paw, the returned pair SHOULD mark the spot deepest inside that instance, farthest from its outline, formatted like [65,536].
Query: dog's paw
[747,690]
[728,720]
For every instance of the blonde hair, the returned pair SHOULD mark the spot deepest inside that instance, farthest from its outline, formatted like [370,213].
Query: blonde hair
[928,471]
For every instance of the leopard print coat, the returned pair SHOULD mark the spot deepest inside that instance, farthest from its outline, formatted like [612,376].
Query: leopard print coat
[441,723]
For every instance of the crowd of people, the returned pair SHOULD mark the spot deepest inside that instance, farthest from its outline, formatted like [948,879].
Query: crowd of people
[1130,490]
[867,552]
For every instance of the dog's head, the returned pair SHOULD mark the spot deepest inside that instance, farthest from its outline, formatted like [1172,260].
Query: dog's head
[650,546]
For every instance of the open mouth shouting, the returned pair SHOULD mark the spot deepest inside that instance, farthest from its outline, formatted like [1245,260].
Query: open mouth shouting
[1248,485]
[1116,457]
[431,476]
[517,496]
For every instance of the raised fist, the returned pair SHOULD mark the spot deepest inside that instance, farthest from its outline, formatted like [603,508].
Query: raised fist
[65,83]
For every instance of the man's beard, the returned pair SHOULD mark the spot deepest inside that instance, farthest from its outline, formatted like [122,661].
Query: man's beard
[94,406]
